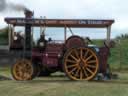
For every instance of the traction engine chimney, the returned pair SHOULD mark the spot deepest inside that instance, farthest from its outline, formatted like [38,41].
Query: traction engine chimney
[28,33]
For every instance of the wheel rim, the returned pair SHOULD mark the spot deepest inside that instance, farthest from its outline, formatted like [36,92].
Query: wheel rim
[81,63]
[22,70]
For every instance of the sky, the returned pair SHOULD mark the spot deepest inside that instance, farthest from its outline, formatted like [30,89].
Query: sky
[77,9]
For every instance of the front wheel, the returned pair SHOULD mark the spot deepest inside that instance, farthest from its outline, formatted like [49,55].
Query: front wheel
[23,70]
[81,63]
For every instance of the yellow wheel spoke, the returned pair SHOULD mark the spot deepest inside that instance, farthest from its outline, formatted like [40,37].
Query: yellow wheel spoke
[81,53]
[73,57]
[89,70]
[76,53]
[77,71]
[81,74]
[27,75]
[71,61]
[89,57]
[22,75]
[73,65]
[86,53]
[73,70]
[92,61]
[85,72]
[92,66]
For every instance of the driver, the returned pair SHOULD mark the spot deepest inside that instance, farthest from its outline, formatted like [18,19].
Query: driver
[18,40]
[42,42]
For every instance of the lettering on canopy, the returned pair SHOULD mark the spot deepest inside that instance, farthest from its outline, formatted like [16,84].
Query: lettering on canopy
[58,22]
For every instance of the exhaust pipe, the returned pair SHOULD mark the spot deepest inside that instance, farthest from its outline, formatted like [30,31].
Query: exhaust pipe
[28,34]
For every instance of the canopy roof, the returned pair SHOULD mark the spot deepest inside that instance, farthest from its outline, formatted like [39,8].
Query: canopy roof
[77,23]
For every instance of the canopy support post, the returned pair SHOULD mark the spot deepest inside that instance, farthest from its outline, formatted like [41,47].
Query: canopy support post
[65,33]
[9,36]
[108,34]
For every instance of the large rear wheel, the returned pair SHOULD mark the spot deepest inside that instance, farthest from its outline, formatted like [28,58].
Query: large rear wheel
[81,63]
[23,70]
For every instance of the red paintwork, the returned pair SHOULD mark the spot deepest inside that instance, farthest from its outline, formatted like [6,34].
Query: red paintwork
[103,58]
[53,52]
[50,56]
[74,41]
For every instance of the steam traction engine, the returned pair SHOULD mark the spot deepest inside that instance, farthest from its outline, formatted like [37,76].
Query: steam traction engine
[74,57]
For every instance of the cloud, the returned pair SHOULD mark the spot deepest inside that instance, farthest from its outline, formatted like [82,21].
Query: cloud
[83,9]
[3,24]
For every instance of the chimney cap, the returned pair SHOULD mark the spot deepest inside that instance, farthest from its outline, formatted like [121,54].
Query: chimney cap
[27,11]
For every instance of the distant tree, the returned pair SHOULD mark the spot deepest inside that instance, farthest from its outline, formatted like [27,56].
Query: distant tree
[4,36]
[4,32]
[122,36]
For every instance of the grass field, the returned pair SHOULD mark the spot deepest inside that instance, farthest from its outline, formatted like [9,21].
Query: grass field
[59,85]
